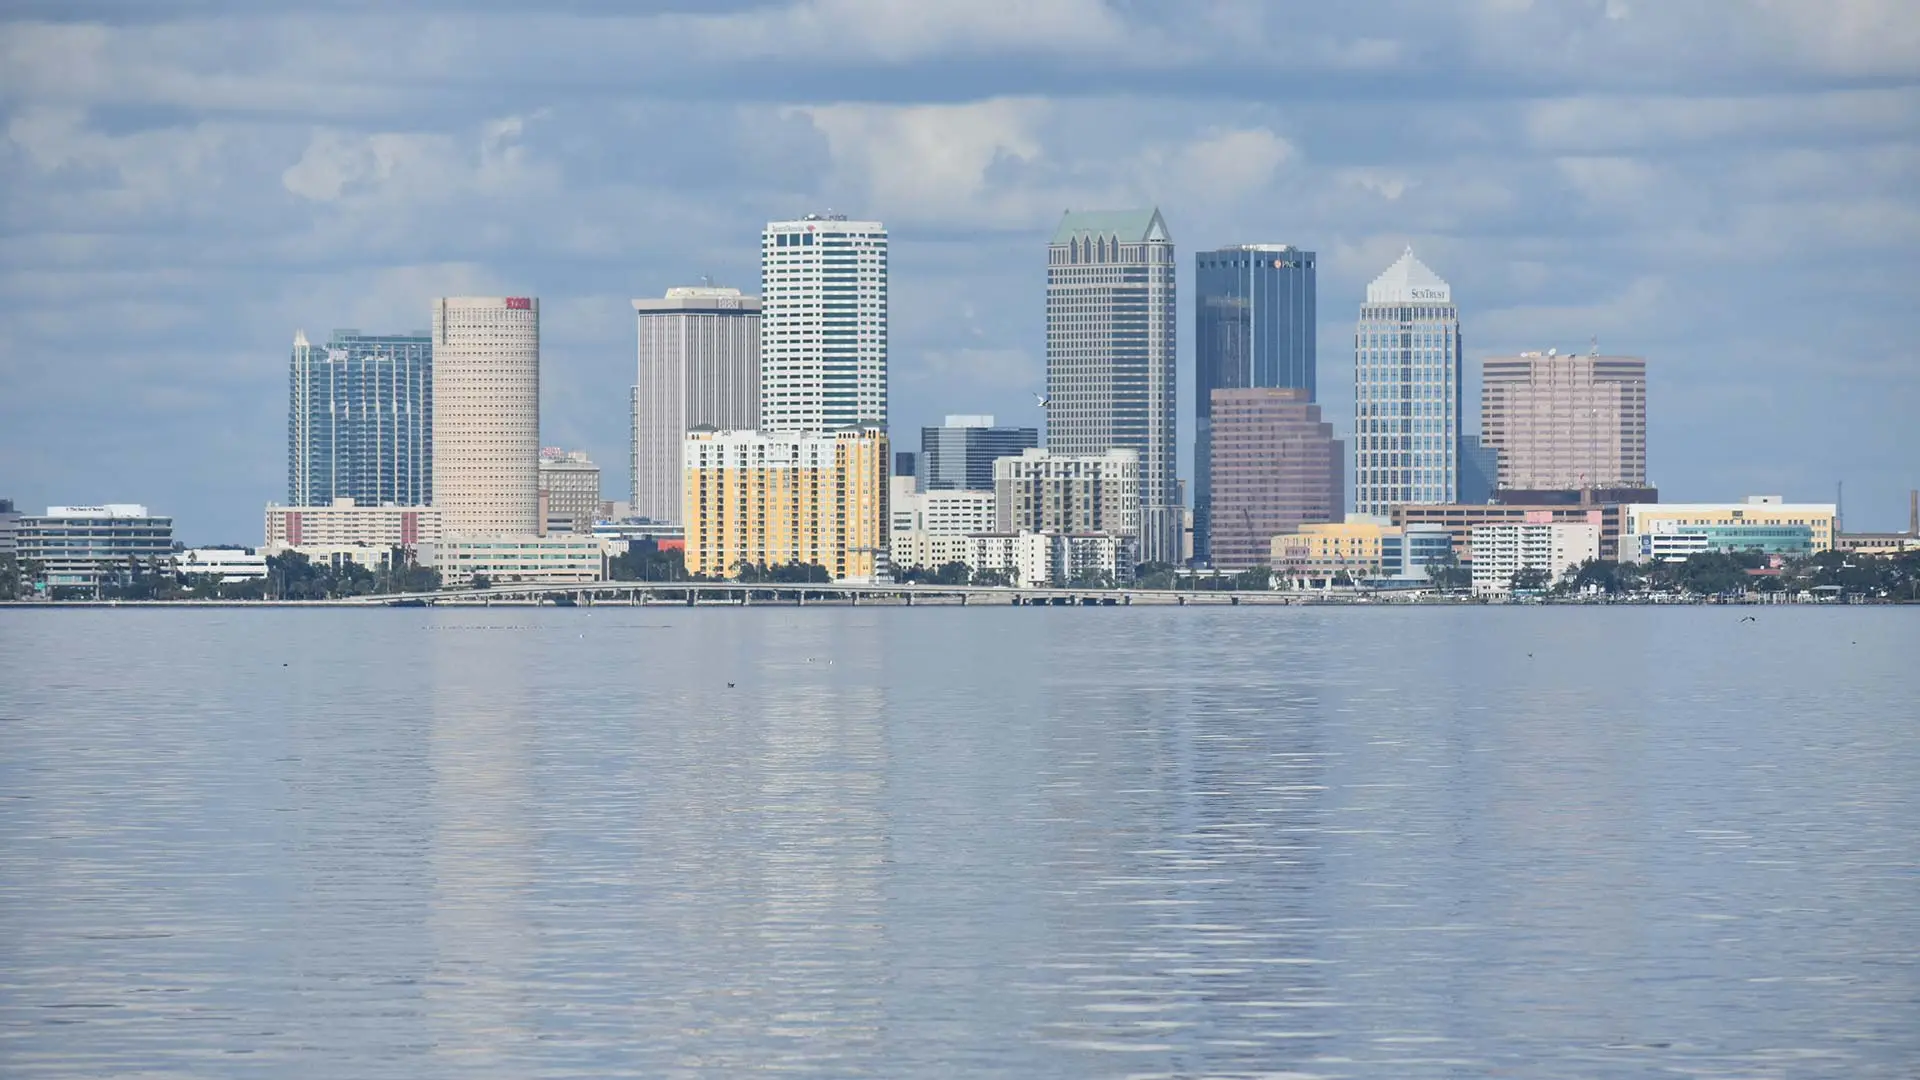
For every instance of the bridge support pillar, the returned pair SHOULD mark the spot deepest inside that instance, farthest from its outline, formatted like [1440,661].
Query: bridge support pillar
[909,599]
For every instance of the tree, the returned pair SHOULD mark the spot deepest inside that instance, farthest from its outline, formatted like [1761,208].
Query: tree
[992,578]
[10,585]
[952,573]
[1092,579]
[645,560]
[1529,579]
[1601,575]
[1154,575]
[1449,575]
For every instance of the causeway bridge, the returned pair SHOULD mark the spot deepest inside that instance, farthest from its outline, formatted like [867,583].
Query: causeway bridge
[740,594]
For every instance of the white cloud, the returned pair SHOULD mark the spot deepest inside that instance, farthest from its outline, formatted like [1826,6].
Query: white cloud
[339,165]
[929,161]
[1230,165]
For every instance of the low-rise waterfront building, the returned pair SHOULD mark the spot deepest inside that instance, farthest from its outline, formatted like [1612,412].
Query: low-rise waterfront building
[623,534]
[1460,519]
[1363,549]
[1323,551]
[1056,560]
[516,559]
[374,557]
[780,498]
[1647,520]
[941,512]
[1670,542]
[345,522]
[87,546]
[227,564]
[1503,550]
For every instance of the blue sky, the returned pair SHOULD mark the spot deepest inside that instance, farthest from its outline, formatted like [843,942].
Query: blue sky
[1729,189]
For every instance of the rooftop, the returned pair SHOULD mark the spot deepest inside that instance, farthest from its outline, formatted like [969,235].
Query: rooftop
[1129,226]
[1409,280]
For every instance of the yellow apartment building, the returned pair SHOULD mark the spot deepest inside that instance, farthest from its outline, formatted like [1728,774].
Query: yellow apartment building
[777,498]
[1322,550]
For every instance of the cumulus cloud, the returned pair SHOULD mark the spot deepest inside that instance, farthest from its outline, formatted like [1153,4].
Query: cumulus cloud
[929,161]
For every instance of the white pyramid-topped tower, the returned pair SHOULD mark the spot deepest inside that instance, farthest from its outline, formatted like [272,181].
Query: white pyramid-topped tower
[1409,280]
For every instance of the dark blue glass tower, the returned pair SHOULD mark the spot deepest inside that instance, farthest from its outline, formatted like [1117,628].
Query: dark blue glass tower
[1254,326]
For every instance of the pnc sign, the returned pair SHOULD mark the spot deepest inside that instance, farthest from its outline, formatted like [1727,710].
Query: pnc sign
[519,303]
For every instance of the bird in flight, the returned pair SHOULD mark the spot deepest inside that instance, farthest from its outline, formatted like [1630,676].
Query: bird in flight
[1044,400]
[1748,619]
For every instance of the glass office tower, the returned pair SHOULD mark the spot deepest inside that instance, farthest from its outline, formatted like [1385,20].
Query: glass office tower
[1254,328]
[959,456]
[1407,391]
[360,419]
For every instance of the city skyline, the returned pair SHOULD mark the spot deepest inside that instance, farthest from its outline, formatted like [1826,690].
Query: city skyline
[1742,218]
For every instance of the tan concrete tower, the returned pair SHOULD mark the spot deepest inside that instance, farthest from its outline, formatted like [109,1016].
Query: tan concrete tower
[486,392]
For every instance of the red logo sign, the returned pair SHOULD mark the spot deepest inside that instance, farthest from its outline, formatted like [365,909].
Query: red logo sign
[519,303]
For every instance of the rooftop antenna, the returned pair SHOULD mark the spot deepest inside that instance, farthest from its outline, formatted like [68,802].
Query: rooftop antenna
[707,280]
[1593,348]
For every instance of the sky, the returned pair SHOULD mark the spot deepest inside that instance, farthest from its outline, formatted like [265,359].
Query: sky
[1730,189]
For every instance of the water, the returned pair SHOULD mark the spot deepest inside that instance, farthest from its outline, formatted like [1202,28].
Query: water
[1421,842]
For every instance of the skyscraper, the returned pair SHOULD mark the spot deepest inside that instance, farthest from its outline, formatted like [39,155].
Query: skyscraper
[823,325]
[1276,467]
[1110,355]
[1566,422]
[699,365]
[1406,390]
[959,456]
[1254,326]
[486,416]
[360,419]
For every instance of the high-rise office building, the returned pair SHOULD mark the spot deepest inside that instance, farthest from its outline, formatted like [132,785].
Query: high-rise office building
[569,490]
[699,366]
[1276,466]
[1110,355]
[1566,422]
[1407,387]
[959,455]
[1254,326]
[360,419]
[775,499]
[1479,469]
[486,415]
[823,324]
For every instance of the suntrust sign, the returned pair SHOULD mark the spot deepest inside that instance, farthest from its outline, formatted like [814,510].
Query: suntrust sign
[1417,294]
[519,303]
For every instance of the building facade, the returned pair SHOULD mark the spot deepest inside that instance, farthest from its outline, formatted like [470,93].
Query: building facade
[942,513]
[506,560]
[227,564]
[1254,326]
[360,419]
[88,546]
[569,491]
[779,498]
[823,324]
[1275,466]
[1460,519]
[1044,491]
[1502,550]
[1642,521]
[1110,356]
[1319,553]
[1566,422]
[347,523]
[1407,391]
[1479,470]
[959,455]
[699,366]
[1670,542]
[486,415]
[9,526]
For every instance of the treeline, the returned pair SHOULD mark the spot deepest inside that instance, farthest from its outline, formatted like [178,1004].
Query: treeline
[290,576]
[1718,574]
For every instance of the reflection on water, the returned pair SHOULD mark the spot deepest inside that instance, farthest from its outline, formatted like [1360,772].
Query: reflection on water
[928,843]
